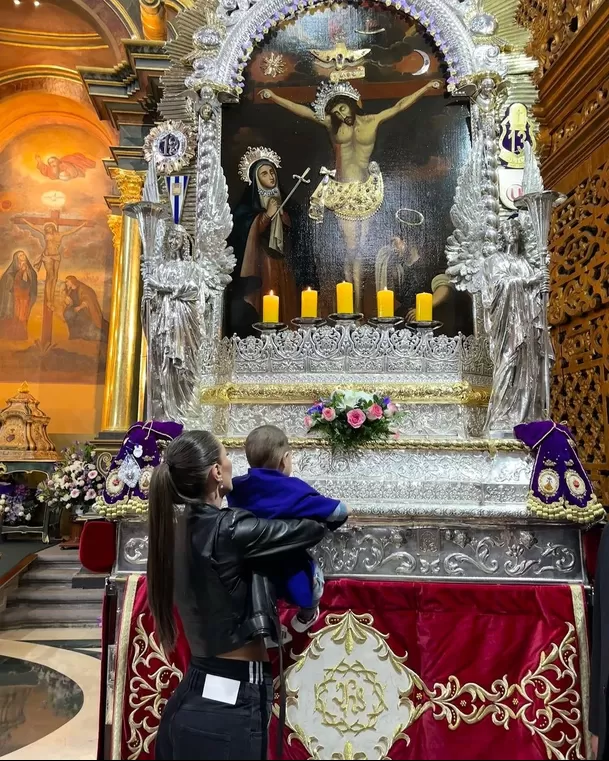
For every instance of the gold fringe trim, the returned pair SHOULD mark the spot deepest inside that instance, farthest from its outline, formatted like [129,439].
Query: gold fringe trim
[581,630]
[125,506]
[561,510]
[120,665]
[492,446]
[308,393]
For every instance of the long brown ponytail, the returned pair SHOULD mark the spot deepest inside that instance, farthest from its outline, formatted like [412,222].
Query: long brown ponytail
[181,479]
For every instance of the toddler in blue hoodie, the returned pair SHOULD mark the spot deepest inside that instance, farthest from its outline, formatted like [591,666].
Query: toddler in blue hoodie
[269,491]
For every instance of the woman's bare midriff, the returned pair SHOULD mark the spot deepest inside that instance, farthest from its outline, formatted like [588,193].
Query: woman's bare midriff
[253,651]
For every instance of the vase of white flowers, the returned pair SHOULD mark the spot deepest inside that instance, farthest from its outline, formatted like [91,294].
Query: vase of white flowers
[74,484]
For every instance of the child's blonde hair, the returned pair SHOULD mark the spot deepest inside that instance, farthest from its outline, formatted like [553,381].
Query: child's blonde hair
[266,446]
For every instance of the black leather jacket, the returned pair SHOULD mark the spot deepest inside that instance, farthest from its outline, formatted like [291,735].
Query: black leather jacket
[222,593]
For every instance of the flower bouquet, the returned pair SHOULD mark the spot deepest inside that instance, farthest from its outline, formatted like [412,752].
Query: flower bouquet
[17,504]
[75,482]
[349,419]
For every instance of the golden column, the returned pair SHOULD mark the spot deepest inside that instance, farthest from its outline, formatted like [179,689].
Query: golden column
[120,406]
[154,20]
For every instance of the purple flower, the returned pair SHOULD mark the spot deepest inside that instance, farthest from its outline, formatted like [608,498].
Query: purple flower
[315,408]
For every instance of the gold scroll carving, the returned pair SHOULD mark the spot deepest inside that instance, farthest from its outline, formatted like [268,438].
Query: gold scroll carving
[552,25]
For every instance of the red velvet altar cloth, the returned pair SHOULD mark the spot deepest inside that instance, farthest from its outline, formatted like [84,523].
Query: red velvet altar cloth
[499,671]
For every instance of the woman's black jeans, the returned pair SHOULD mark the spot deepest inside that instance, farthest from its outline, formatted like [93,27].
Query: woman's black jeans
[194,727]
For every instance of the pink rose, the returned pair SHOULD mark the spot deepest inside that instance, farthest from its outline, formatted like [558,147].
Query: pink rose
[374,412]
[356,418]
[308,421]
[391,409]
[328,414]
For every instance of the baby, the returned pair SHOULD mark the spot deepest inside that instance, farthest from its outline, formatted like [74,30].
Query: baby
[268,491]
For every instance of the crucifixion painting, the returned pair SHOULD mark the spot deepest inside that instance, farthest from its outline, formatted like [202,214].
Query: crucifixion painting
[52,238]
[353,190]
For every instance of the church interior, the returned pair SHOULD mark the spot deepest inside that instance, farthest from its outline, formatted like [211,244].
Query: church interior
[377,231]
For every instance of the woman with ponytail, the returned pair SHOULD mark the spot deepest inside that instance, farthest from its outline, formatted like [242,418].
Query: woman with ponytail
[212,564]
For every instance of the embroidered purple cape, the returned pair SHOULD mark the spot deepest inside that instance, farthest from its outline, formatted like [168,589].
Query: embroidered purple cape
[131,468]
[559,488]
[272,494]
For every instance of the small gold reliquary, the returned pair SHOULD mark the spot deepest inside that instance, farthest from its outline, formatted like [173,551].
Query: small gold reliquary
[23,429]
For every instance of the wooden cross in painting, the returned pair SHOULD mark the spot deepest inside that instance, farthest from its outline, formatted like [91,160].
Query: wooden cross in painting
[49,229]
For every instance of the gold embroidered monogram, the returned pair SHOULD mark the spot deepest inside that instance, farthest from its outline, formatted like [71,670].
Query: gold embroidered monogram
[359,689]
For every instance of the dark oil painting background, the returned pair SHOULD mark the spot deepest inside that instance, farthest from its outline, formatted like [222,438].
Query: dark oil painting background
[420,151]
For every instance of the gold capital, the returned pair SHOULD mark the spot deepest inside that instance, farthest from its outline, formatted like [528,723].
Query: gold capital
[115,223]
[129,183]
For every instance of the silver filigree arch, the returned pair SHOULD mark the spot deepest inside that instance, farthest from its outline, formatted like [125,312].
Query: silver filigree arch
[249,21]
[214,44]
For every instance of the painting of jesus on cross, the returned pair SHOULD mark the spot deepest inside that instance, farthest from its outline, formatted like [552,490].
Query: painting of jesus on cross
[56,259]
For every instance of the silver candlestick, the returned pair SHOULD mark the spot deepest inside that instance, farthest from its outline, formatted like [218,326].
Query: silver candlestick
[539,204]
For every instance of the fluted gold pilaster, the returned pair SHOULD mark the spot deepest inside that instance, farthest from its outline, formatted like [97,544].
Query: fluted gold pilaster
[122,367]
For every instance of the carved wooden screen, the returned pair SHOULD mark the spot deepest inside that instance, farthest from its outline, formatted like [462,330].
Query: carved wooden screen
[579,313]
[568,37]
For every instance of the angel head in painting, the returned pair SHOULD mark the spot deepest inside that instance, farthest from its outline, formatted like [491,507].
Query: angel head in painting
[261,239]
[66,168]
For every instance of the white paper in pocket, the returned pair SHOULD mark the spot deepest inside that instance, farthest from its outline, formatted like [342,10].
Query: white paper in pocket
[220,689]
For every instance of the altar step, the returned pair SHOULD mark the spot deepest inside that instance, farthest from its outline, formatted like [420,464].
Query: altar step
[46,595]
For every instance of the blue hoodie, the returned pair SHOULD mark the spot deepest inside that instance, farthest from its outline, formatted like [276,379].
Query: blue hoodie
[271,494]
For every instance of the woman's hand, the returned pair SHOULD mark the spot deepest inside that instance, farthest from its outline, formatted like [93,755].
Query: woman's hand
[271,209]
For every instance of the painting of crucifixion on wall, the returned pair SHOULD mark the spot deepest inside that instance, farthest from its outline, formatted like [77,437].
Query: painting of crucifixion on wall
[347,103]
[56,258]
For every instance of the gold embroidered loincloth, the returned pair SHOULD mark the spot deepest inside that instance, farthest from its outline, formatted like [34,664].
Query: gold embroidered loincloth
[348,200]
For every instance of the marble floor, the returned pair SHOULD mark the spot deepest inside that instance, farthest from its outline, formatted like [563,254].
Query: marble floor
[49,693]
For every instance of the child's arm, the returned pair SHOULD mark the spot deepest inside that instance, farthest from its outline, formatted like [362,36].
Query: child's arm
[340,514]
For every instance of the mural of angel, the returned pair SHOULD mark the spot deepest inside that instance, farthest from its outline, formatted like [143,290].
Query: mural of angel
[173,300]
[66,168]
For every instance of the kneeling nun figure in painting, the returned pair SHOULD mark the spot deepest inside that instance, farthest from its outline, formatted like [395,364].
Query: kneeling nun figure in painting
[217,560]
[261,241]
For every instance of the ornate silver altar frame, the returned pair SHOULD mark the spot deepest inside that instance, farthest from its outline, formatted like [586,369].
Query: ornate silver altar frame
[214,45]
[443,503]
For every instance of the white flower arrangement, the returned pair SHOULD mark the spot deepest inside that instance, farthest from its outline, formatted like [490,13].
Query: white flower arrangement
[75,483]
[17,505]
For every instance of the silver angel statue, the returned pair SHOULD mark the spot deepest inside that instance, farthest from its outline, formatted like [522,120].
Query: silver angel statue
[514,321]
[174,303]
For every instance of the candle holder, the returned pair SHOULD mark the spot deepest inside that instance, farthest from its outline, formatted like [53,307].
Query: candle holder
[425,327]
[269,327]
[308,322]
[386,322]
[346,319]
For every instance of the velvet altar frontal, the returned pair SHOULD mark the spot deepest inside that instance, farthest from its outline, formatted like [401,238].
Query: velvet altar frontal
[394,669]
